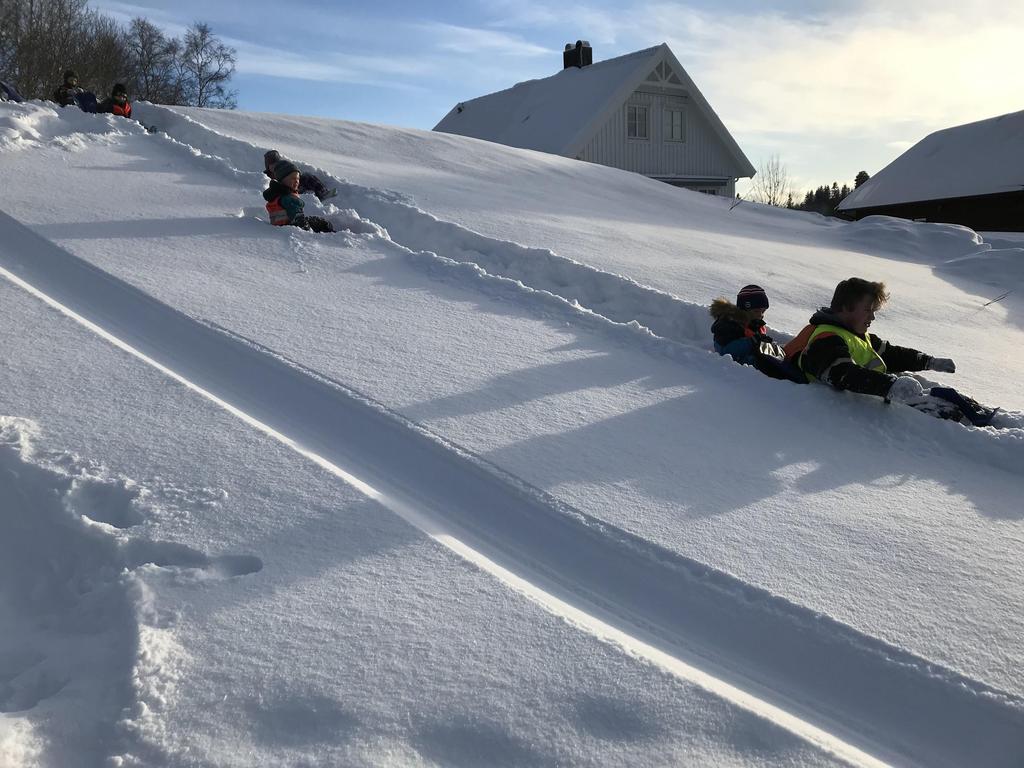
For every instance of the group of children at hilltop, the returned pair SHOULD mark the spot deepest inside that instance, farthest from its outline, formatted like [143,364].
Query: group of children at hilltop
[69,93]
[835,348]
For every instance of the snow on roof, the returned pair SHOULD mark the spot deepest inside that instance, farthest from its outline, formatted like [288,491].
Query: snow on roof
[549,113]
[982,158]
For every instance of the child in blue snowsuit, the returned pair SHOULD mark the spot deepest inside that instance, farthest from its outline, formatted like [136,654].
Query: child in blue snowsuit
[740,332]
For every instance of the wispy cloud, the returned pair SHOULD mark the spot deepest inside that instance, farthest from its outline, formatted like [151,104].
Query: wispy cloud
[167,21]
[324,67]
[469,40]
[574,20]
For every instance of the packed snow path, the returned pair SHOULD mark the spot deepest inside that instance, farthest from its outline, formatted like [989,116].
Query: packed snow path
[843,687]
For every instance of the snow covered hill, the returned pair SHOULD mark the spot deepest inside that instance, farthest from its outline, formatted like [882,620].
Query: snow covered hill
[463,484]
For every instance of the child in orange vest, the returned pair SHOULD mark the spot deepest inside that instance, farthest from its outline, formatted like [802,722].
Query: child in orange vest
[118,103]
[284,204]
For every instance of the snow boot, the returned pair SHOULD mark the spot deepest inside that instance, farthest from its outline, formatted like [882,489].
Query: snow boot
[977,414]
[935,406]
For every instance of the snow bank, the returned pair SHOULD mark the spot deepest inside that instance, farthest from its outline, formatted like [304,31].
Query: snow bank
[923,242]
[999,267]
[612,296]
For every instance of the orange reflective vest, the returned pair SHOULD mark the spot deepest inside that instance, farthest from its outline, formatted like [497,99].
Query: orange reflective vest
[278,215]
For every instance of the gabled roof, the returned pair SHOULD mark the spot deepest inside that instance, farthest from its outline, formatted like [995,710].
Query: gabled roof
[559,114]
[982,158]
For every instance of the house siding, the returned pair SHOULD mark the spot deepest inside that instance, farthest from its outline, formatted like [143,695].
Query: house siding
[700,154]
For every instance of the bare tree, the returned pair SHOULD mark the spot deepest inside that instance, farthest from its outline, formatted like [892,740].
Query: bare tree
[103,53]
[208,65]
[10,24]
[40,39]
[153,58]
[771,185]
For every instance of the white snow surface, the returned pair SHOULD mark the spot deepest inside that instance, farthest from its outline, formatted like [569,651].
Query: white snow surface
[981,158]
[464,484]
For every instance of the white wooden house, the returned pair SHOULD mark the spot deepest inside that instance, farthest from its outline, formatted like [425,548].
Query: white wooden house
[640,112]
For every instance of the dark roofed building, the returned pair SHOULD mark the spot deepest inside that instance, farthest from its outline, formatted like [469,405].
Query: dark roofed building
[971,174]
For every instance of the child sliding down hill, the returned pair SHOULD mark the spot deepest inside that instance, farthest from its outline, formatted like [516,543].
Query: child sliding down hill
[284,204]
[307,181]
[839,351]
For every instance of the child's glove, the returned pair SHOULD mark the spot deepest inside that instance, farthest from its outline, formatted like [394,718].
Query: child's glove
[905,389]
[941,364]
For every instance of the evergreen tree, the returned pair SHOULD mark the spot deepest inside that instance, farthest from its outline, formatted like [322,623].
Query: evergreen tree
[861,177]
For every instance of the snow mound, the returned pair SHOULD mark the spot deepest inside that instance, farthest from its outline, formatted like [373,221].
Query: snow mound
[916,241]
[1000,267]
[28,124]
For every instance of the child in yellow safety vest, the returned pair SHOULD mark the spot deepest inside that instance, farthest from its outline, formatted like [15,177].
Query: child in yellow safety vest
[839,351]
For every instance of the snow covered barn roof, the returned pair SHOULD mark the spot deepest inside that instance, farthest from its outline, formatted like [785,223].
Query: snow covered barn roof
[982,158]
[559,114]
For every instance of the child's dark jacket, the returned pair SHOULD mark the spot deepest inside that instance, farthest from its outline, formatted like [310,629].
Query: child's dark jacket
[827,358]
[744,337]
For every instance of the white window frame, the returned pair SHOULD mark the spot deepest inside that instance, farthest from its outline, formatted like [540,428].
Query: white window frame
[633,122]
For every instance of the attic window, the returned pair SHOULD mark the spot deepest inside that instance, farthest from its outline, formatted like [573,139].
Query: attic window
[636,122]
[675,123]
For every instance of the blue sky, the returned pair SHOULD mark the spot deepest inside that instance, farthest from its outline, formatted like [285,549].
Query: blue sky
[830,89]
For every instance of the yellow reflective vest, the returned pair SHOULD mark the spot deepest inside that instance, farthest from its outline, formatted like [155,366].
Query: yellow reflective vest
[861,351]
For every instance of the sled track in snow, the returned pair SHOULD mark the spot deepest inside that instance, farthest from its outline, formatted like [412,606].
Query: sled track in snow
[613,304]
[851,694]
[612,296]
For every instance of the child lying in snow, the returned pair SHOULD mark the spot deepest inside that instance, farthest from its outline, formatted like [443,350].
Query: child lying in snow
[838,350]
[307,181]
[284,204]
[117,103]
[740,332]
